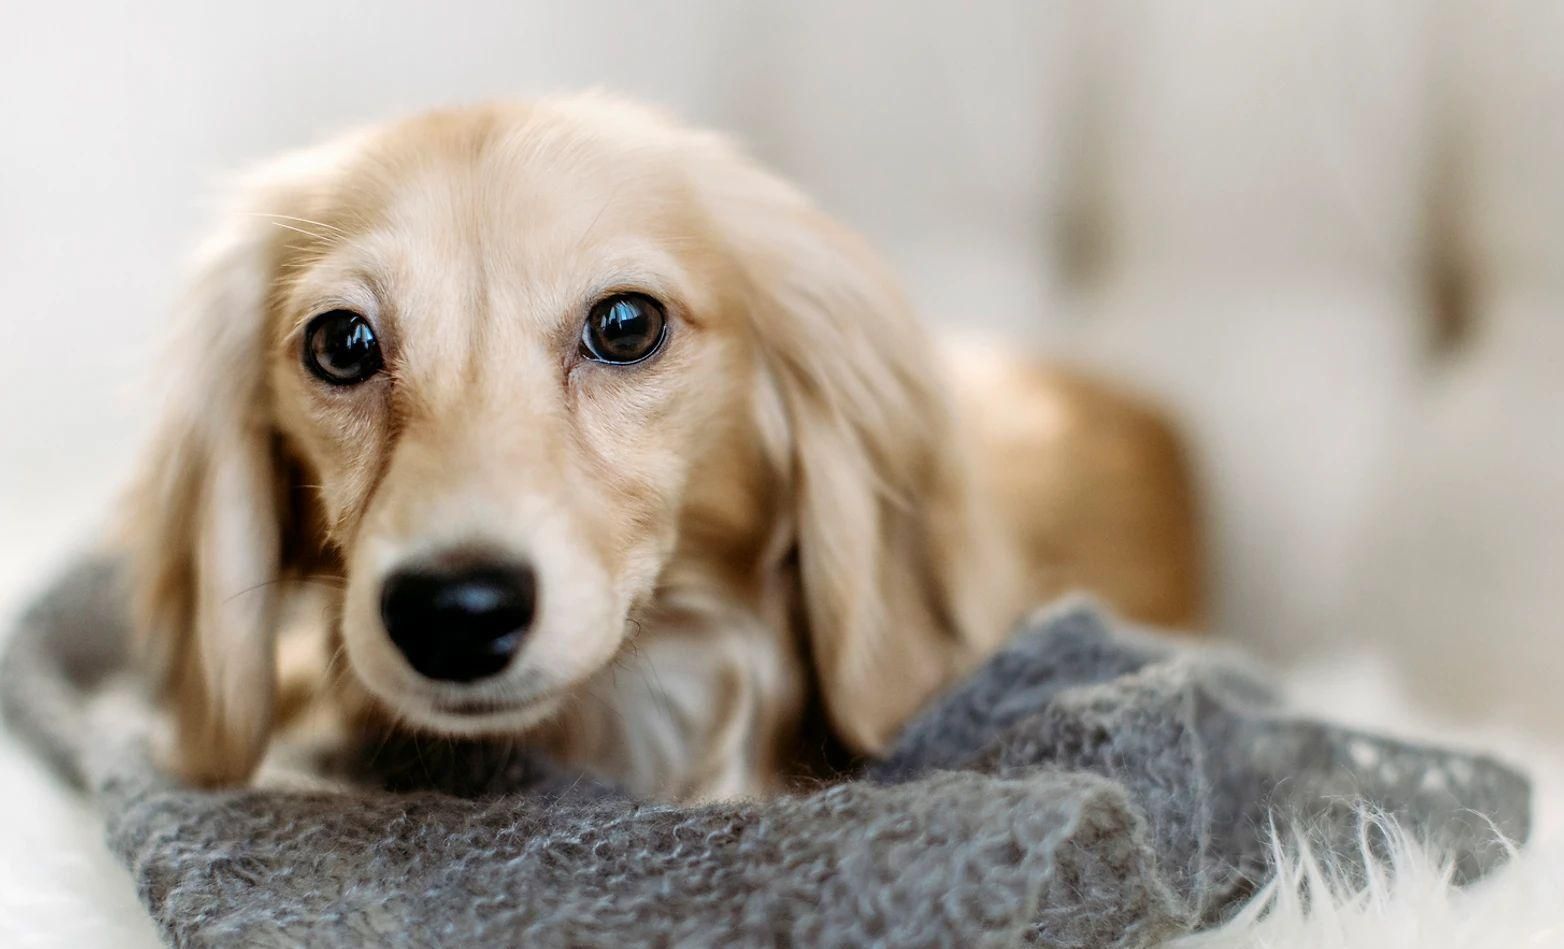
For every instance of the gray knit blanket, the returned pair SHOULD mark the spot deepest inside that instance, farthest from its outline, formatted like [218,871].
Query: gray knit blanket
[1089,786]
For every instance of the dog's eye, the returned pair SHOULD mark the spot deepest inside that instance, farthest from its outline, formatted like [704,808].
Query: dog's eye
[624,329]
[340,348]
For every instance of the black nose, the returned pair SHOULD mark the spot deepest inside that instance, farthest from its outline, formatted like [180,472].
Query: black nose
[462,624]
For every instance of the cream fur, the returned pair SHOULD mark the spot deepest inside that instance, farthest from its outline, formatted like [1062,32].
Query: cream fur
[778,508]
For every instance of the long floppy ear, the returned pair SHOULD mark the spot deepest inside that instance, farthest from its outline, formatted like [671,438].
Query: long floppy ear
[899,575]
[204,525]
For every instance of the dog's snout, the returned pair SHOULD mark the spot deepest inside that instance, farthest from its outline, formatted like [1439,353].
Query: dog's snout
[462,624]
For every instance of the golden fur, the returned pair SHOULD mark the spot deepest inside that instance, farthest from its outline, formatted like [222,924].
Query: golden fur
[779,509]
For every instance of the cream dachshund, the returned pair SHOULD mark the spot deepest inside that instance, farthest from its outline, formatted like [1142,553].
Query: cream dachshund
[593,432]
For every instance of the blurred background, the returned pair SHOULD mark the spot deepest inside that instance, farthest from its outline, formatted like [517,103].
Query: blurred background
[1328,234]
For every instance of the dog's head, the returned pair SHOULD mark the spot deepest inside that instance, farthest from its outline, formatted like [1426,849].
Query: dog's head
[501,372]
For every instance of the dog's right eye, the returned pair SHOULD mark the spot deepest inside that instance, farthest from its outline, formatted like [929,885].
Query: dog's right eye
[340,348]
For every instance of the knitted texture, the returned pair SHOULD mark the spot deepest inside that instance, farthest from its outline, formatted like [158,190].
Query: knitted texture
[1087,787]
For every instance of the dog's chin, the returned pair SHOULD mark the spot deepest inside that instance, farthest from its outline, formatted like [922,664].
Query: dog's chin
[476,713]
[473,718]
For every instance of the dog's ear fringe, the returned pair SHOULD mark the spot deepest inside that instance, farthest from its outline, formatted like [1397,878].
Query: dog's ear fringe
[900,574]
[203,524]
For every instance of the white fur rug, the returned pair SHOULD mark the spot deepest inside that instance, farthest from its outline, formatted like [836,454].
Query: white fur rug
[59,888]
[1411,903]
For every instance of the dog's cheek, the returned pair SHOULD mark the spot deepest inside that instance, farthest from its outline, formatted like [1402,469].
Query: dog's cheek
[343,448]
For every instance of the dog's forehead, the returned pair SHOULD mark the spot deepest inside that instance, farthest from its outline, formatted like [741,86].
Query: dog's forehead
[548,184]
[515,213]
[478,248]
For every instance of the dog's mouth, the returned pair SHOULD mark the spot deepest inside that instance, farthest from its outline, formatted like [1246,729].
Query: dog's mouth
[469,711]
[478,719]
[478,708]
[477,715]
[472,707]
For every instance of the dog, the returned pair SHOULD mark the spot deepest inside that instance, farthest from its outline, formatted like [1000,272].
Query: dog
[591,431]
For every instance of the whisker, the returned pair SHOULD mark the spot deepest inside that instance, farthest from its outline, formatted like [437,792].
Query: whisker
[300,220]
[419,752]
[660,693]
[592,225]
[392,729]
[329,581]
[607,706]
[334,667]
[322,238]
[259,586]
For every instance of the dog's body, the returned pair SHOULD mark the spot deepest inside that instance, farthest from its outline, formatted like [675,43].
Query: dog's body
[598,435]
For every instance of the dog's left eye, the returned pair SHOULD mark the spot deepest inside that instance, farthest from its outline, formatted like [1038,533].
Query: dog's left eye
[623,329]
[340,348]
